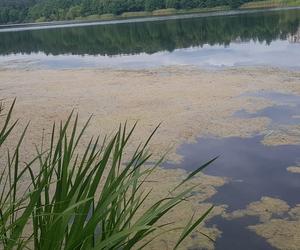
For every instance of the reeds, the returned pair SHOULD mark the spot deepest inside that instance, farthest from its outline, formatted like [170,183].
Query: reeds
[91,199]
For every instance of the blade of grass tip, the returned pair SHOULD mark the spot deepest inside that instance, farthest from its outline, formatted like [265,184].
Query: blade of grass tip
[15,181]
[69,148]
[7,120]
[71,174]
[62,131]
[85,155]
[82,131]
[103,144]
[196,172]
[9,162]
[21,139]
[140,162]
[1,183]
[151,135]
[6,134]
[130,132]
[122,145]
[208,237]
[189,228]
[116,153]
[51,143]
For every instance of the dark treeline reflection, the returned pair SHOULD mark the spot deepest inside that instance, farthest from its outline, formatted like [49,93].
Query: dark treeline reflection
[151,37]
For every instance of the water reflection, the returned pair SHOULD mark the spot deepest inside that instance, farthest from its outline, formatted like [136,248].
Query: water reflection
[285,112]
[254,170]
[279,54]
[268,38]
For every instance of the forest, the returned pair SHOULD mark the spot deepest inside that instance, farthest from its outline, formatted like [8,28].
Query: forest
[19,11]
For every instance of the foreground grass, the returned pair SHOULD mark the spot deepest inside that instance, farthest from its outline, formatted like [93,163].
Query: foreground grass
[90,199]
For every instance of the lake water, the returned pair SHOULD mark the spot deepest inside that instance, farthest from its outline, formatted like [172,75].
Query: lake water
[254,170]
[254,39]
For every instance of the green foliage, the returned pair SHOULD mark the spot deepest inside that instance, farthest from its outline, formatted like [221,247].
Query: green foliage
[83,197]
[234,4]
[151,5]
[14,11]
[173,4]
[73,12]
[270,4]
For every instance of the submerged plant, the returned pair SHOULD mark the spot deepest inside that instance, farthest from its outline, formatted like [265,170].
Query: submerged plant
[83,199]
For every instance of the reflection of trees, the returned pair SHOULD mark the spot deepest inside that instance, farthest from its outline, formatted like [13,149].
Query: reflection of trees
[152,37]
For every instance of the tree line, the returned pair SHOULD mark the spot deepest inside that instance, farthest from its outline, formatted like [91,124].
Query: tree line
[151,37]
[18,11]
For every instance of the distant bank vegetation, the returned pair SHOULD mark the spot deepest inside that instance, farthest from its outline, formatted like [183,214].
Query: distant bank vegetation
[18,11]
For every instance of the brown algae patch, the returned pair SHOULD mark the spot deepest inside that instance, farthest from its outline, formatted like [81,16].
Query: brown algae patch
[264,209]
[280,233]
[162,181]
[284,135]
[294,169]
[279,224]
[189,102]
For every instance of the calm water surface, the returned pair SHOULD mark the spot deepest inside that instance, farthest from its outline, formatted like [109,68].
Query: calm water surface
[253,39]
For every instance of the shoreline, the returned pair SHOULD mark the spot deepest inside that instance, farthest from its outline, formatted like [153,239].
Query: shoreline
[120,20]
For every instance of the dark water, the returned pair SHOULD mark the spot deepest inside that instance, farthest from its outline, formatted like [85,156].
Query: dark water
[235,235]
[285,112]
[281,114]
[253,169]
[264,38]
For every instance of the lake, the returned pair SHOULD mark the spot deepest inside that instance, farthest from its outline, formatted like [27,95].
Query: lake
[254,169]
[249,39]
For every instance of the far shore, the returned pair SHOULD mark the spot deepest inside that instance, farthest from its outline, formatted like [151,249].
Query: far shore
[150,17]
